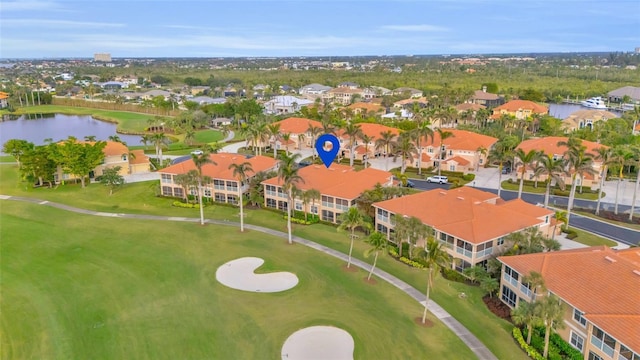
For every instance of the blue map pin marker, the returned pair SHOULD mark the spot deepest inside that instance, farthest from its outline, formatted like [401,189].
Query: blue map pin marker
[326,153]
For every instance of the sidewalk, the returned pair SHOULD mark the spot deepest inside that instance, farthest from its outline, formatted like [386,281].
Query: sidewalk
[567,244]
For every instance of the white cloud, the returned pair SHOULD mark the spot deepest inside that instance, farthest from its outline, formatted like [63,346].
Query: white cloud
[57,23]
[415,28]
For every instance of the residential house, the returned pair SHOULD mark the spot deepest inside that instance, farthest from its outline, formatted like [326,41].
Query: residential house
[314,90]
[380,91]
[633,92]
[585,118]
[482,97]
[520,109]
[224,187]
[367,108]
[348,84]
[112,85]
[195,90]
[155,93]
[346,95]
[285,104]
[360,148]
[399,114]
[4,100]
[339,186]
[465,151]
[600,290]
[411,92]
[206,100]
[467,112]
[409,104]
[115,154]
[297,129]
[549,146]
[470,223]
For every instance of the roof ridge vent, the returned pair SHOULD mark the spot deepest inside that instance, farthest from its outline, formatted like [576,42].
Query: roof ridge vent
[460,198]
[443,193]
[637,272]
[610,259]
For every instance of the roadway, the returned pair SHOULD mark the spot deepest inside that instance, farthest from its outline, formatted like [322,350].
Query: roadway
[605,229]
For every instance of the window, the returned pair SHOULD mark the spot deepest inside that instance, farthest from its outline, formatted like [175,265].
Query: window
[501,241]
[282,205]
[327,201]
[464,248]
[382,229]
[222,198]
[526,289]
[166,178]
[207,192]
[452,167]
[327,216]
[577,316]
[627,354]
[342,204]
[272,203]
[447,240]
[485,249]
[593,356]
[298,206]
[383,215]
[577,341]
[218,184]
[232,199]
[511,276]
[602,341]
[508,296]
[461,265]
[314,209]
[166,191]
[232,186]
[178,192]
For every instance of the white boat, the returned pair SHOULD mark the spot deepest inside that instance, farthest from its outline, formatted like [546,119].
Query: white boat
[629,106]
[594,103]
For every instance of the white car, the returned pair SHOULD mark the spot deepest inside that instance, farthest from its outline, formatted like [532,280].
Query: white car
[438,179]
[196,152]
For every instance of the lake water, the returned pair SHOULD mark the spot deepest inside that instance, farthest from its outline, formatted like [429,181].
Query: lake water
[38,127]
[562,111]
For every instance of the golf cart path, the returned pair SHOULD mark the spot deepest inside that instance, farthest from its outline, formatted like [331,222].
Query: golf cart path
[481,351]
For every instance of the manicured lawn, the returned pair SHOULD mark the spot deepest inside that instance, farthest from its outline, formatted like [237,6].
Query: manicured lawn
[592,239]
[541,189]
[127,121]
[208,136]
[139,198]
[83,287]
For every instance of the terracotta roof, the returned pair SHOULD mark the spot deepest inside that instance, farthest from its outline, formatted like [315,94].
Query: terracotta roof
[113,148]
[483,95]
[460,160]
[462,140]
[370,129]
[345,90]
[469,106]
[4,95]
[138,157]
[360,149]
[366,106]
[425,157]
[294,125]
[515,105]
[549,145]
[601,282]
[421,100]
[338,180]
[466,213]
[221,170]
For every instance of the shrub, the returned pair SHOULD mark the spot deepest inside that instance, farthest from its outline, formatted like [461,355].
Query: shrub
[469,177]
[185,205]
[411,263]
[558,192]
[531,352]
[453,275]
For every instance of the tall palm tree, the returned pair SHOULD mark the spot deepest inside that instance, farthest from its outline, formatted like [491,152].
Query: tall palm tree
[500,154]
[435,257]
[159,141]
[551,312]
[578,163]
[636,162]
[604,155]
[553,168]
[480,151]
[187,181]
[526,314]
[240,172]
[200,161]
[561,217]
[422,132]
[366,139]
[378,242]
[444,135]
[288,175]
[314,132]
[350,220]
[313,195]
[524,159]
[274,133]
[385,143]
[620,157]
[353,131]
[417,231]
[285,138]
[406,150]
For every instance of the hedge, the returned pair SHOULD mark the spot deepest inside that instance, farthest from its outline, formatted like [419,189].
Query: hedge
[558,348]
[394,253]
[531,352]
[185,205]
[453,275]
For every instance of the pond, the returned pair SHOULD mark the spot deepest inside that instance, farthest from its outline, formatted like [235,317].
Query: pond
[38,127]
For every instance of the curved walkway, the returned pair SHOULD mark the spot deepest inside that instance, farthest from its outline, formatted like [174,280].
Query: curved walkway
[463,333]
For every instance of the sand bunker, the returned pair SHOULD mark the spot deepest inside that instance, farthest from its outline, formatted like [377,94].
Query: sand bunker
[239,274]
[319,342]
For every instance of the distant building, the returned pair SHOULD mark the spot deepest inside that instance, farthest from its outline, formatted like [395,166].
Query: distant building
[482,97]
[103,57]
[585,118]
[631,91]
[285,104]
[4,98]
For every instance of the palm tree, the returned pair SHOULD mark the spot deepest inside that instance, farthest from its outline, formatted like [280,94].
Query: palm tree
[435,257]
[526,314]
[240,172]
[551,313]
[480,151]
[636,162]
[553,168]
[288,176]
[579,163]
[353,131]
[500,153]
[524,159]
[422,131]
[620,157]
[366,139]
[378,242]
[314,132]
[274,133]
[159,141]
[200,161]
[604,155]
[285,138]
[561,217]
[406,150]
[350,220]
[385,143]
[312,195]
[187,181]
[417,231]
[442,152]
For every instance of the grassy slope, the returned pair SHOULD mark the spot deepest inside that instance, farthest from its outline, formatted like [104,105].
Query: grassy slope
[127,290]
[208,136]
[138,198]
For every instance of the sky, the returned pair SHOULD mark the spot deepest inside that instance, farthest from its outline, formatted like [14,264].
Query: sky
[269,28]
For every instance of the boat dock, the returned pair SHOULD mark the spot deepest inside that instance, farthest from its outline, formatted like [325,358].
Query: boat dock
[614,107]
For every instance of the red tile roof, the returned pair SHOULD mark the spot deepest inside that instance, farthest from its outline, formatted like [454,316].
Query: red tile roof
[221,169]
[515,105]
[549,145]
[601,282]
[460,160]
[370,129]
[3,95]
[294,125]
[138,157]
[338,180]
[469,106]
[466,213]
[483,95]
[462,140]
[366,106]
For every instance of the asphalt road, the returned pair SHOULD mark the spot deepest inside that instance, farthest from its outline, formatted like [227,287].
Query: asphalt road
[614,232]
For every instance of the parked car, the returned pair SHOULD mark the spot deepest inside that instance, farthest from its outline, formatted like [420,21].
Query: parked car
[196,152]
[438,179]
[506,170]
[410,184]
